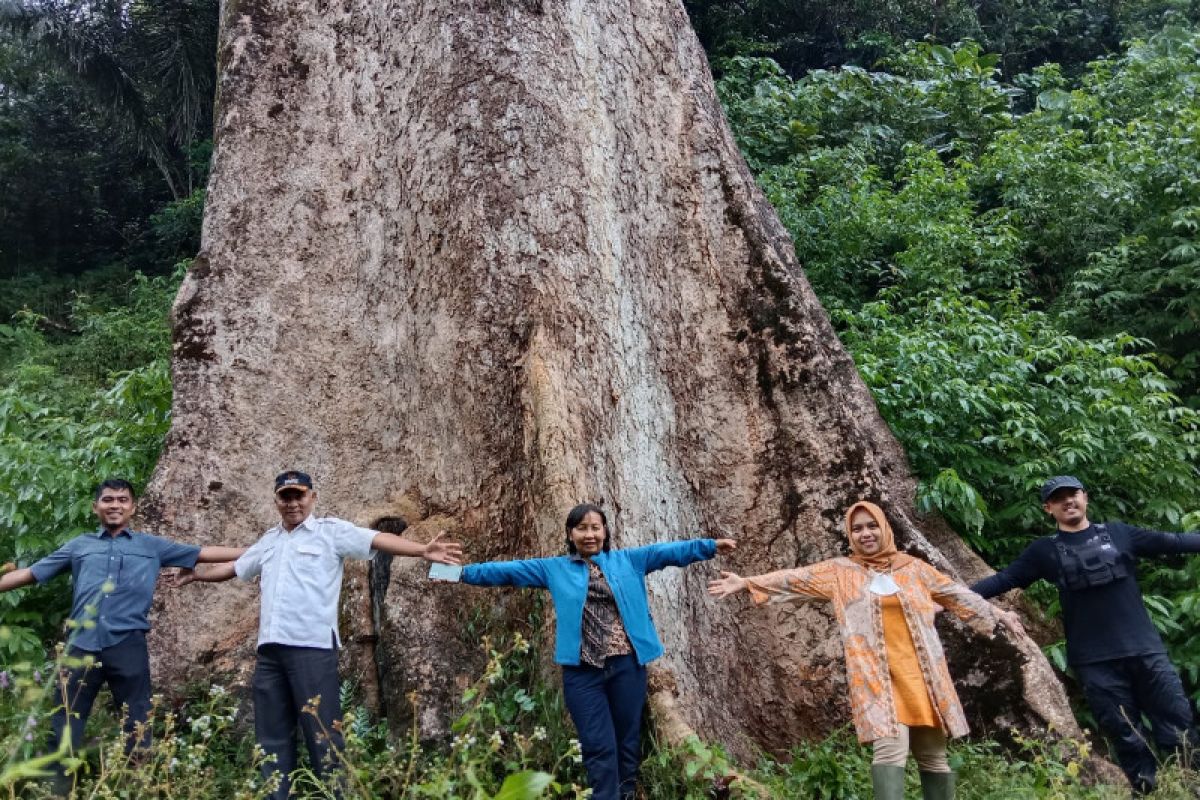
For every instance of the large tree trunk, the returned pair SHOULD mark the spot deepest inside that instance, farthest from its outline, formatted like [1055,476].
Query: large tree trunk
[474,261]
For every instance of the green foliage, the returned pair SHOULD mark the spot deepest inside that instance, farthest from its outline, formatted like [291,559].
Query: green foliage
[838,767]
[511,740]
[925,176]
[948,100]
[988,400]
[1104,184]
[889,187]
[1019,290]
[834,768]
[803,35]
[203,749]
[104,113]
[94,406]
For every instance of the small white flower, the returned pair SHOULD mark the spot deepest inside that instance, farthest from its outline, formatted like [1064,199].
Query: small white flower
[539,734]
[495,741]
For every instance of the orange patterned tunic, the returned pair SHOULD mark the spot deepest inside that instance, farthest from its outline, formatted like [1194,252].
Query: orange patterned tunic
[923,592]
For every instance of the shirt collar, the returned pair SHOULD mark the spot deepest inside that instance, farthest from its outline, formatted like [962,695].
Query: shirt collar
[310,523]
[100,532]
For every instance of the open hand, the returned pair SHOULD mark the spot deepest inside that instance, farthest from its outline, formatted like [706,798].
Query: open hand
[729,583]
[726,546]
[443,552]
[181,577]
[1011,621]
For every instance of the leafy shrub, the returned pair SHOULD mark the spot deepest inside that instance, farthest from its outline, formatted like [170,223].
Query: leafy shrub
[70,414]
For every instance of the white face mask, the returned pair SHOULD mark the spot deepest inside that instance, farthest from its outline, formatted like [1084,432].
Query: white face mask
[883,585]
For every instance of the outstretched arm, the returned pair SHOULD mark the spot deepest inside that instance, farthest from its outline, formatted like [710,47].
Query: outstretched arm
[528,573]
[728,584]
[1036,561]
[654,557]
[16,578]
[1160,543]
[966,604]
[436,550]
[213,574]
[216,555]
[815,582]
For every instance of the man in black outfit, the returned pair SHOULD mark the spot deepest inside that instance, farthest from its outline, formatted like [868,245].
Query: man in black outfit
[1112,645]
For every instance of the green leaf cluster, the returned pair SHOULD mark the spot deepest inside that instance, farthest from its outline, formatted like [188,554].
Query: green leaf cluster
[72,413]
[105,114]
[1018,287]
[951,237]
[802,35]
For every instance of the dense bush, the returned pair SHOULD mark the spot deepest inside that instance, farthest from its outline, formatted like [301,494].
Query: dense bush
[97,404]
[511,741]
[1017,289]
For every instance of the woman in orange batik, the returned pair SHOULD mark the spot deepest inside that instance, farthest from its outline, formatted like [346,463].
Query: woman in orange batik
[885,601]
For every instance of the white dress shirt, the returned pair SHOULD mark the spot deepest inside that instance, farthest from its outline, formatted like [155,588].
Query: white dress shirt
[302,579]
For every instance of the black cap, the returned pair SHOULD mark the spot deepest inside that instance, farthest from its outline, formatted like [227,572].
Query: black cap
[292,480]
[1060,482]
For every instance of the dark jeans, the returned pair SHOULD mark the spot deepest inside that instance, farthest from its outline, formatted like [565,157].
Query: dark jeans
[287,680]
[606,706]
[1120,693]
[126,668]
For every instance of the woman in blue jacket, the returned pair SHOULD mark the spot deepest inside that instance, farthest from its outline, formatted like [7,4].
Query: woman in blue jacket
[605,636]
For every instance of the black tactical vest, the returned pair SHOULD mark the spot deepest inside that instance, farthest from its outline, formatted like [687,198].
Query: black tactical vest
[1096,563]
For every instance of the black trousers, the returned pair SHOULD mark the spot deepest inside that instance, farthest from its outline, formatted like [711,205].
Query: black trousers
[287,681]
[1120,693]
[125,667]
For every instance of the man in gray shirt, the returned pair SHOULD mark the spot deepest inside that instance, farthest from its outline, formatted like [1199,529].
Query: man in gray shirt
[300,562]
[114,570]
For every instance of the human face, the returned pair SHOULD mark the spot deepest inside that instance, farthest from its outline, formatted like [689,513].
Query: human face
[588,535]
[294,506]
[865,532]
[114,507]
[1069,509]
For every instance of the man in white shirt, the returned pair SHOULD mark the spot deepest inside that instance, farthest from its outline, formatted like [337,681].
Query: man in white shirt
[295,675]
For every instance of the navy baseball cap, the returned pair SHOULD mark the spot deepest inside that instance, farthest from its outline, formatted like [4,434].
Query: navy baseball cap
[1060,482]
[292,480]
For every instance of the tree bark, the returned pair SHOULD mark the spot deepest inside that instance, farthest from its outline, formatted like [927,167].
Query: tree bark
[472,262]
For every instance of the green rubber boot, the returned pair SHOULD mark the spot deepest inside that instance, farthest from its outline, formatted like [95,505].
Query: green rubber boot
[888,781]
[937,785]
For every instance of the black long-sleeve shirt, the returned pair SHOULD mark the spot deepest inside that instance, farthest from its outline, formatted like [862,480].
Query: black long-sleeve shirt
[1101,622]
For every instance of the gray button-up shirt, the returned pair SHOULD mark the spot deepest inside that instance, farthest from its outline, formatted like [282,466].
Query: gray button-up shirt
[302,579]
[114,579]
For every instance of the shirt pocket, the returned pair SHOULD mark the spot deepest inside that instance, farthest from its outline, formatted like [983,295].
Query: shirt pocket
[311,555]
[138,572]
[95,569]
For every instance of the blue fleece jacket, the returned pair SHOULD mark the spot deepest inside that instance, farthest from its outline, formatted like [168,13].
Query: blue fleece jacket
[567,579]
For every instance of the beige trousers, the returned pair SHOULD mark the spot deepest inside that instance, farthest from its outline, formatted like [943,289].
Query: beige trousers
[928,746]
